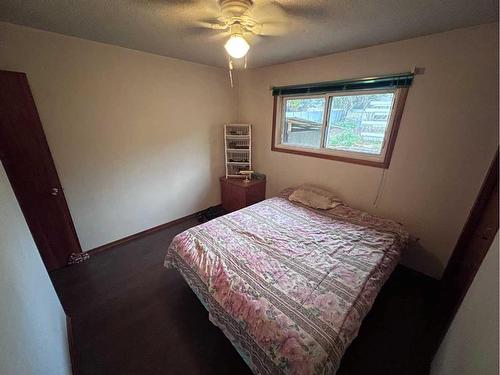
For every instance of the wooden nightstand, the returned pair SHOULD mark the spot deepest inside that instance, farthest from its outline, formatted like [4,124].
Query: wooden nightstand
[237,194]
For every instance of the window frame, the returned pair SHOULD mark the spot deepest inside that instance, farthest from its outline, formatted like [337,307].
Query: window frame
[381,161]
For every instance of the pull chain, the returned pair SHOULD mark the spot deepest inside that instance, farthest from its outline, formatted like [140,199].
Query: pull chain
[231,72]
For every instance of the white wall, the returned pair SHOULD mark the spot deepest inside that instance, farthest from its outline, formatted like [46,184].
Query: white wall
[447,138]
[33,338]
[470,346]
[136,138]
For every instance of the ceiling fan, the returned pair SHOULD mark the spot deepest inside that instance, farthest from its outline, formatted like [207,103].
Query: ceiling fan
[242,22]
[237,19]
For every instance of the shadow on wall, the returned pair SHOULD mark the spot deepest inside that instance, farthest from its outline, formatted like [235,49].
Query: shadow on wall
[420,258]
[216,152]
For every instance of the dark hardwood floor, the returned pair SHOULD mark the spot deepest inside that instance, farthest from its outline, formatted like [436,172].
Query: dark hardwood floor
[130,315]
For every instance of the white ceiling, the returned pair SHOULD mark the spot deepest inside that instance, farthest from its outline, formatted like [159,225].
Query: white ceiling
[315,27]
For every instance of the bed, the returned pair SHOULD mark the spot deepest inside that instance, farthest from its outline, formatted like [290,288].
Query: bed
[289,285]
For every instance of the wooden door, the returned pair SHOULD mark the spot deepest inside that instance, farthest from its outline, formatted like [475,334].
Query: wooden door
[470,250]
[26,157]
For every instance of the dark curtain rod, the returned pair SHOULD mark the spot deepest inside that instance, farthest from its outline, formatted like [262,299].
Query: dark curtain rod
[380,82]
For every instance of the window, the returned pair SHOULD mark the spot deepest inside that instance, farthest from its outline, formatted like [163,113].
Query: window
[303,121]
[356,125]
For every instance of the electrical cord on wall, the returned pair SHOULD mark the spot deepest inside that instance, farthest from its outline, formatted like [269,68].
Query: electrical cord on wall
[380,188]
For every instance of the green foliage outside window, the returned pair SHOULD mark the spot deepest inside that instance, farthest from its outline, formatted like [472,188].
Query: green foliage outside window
[347,137]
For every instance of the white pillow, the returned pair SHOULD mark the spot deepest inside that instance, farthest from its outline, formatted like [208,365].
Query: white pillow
[315,197]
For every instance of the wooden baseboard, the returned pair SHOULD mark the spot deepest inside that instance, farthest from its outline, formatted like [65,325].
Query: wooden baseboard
[135,236]
[71,346]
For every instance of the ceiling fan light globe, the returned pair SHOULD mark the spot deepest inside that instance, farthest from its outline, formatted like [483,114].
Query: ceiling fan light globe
[237,46]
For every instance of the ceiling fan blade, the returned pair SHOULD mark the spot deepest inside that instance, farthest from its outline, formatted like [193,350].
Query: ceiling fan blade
[302,11]
[212,24]
[186,9]
[287,9]
[209,7]
[271,29]
[206,34]
[266,11]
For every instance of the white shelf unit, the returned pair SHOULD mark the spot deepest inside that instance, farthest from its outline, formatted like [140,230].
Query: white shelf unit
[237,149]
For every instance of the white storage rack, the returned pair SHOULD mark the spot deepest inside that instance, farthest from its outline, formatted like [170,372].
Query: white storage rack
[238,149]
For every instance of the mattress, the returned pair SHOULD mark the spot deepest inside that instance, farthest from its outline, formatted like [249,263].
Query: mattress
[288,285]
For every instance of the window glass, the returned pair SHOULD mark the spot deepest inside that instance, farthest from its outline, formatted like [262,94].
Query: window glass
[358,123]
[303,120]
[356,126]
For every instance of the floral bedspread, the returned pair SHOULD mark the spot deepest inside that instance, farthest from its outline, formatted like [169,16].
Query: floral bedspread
[288,285]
